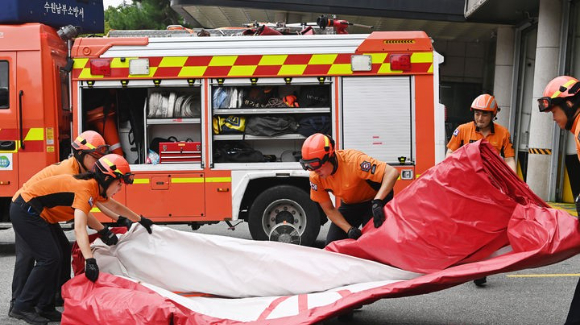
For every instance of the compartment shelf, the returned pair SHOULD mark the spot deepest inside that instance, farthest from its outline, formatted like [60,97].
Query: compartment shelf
[292,136]
[252,111]
[177,120]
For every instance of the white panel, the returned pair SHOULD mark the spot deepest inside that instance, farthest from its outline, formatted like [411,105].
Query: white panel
[240,45]
[377,116]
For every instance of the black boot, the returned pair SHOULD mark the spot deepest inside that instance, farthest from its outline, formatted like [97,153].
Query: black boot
[30,317]
[480,282]
[52,315]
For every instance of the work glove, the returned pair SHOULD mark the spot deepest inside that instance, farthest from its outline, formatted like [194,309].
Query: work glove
[91,269]
[378,212]
[147,223]
[108,237]
[124,222]
[354,233]
[578,207]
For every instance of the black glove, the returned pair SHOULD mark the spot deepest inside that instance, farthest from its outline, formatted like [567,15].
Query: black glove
[147,223]
[108,237]
[354,233]
[578,206]
[91,269]
[124,222]
[378,212]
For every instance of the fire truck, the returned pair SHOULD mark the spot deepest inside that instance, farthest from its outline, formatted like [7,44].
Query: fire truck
[213,126]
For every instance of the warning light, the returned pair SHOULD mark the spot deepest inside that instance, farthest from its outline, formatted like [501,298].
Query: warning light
[100,67]
[400,62]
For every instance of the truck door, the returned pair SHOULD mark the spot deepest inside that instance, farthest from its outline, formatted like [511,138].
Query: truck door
[9,125]
[378,117]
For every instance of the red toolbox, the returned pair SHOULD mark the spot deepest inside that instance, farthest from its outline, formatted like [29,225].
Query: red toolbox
[179,152]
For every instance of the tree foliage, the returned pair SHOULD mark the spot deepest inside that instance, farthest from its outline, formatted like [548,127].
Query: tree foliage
[141,14]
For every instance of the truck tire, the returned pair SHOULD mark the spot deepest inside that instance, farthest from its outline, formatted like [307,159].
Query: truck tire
[284,203]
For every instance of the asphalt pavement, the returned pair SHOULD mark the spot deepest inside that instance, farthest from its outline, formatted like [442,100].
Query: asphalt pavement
[534,296]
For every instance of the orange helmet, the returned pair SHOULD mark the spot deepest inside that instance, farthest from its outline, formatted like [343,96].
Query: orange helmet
[90,142]
[316,150]
[291,101]
[486,103]
[557,91]
[111,167]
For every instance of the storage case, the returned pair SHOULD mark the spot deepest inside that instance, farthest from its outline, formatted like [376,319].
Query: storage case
[86,14]
[179,152]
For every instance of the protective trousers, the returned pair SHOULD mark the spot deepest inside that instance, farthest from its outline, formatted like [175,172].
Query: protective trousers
[38,239]
[574,312]
[25,263]
[356,214]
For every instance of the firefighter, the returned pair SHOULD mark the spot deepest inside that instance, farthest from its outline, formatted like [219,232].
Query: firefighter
[562,97]
[87,148]
[484,109]
[55,199]
[363,184]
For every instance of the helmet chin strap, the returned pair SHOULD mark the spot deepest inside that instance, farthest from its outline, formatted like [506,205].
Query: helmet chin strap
[80,157]
[104,183]
[334,163]
[572,112]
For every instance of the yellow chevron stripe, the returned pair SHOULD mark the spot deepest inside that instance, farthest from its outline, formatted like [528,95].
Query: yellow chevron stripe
[223,61]
[118,63]
[293,69]
[422,57]
[386,68]
[218,180]
[80,63]
[86,74]
[273,60]
[152,71]
[192,71]
[340,69]
[242,70]
[322,58]
[141,181]
[183,180]
[34,134]
[173,61]
[95,210]
[377,57]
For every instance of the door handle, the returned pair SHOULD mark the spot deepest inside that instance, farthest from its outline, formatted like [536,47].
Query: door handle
[20,95]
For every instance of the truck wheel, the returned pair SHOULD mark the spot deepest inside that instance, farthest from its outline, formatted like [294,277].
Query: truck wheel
[284,204]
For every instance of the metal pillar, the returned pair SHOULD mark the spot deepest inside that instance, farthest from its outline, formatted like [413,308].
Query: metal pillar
[540,175]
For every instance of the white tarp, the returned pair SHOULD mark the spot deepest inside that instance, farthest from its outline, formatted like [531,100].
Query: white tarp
[188,262]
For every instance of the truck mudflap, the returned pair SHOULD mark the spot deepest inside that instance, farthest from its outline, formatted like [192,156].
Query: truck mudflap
[174,277]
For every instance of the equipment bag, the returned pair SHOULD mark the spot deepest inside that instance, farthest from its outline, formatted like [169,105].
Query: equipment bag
[236,151]
[257,97]
[271,125]
[309,125]
[229,125]
[314,96]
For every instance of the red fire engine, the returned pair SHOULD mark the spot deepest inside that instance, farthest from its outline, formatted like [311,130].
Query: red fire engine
[213,126]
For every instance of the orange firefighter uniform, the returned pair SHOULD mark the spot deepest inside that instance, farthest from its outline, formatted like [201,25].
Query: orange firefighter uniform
[357,178]
[499,138]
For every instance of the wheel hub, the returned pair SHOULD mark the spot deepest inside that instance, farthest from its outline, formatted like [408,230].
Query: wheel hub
[284,216]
